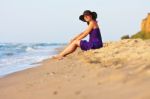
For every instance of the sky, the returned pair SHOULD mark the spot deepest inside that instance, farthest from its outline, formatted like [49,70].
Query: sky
[57,21]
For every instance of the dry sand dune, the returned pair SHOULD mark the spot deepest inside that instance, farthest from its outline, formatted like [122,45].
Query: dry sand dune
[119,70]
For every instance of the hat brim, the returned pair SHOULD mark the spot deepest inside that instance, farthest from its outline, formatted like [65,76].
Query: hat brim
[94,15]
[82,18]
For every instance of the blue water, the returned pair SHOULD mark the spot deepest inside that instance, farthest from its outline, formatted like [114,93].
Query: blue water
[19,56]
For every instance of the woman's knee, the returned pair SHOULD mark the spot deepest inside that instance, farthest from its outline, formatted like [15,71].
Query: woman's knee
[77,42]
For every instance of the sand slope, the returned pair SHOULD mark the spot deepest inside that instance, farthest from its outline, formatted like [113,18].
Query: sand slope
[119,70]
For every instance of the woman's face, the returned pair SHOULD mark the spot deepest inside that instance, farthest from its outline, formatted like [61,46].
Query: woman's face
[87,18]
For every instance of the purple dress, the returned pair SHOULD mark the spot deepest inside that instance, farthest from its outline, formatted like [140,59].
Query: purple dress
[95,41]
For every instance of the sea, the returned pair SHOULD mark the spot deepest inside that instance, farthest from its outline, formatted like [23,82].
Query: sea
[20,56]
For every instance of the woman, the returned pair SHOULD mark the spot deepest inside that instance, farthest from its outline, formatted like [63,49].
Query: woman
[95,40]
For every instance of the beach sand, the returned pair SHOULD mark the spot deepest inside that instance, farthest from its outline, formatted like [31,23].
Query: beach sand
[119,70]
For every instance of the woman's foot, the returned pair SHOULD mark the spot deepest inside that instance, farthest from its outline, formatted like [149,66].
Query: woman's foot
[58,57]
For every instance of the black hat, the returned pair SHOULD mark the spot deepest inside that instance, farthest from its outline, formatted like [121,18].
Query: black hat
[88,12]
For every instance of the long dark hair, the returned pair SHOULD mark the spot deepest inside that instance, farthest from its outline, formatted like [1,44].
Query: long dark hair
[89,23]
[94,16]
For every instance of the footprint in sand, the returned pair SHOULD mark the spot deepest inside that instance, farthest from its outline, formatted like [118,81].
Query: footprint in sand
[78,92]
[55,92]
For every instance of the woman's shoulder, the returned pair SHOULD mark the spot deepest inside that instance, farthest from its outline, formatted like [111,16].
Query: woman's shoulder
[95,24]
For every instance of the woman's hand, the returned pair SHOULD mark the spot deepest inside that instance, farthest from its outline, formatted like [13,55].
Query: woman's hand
[76,38]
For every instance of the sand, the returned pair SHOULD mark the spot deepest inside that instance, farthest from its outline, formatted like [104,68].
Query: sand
[119,70]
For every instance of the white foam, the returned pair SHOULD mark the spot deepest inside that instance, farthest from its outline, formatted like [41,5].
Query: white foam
[20,61]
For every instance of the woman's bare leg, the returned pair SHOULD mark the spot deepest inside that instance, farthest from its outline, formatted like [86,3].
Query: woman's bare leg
[69,49]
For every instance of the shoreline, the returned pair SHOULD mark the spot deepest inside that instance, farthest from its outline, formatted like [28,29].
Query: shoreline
[120,69]
[32,65]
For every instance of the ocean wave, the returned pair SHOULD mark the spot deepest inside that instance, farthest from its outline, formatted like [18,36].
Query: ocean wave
[30,49]
[21,55]
[13,49]
[10,49]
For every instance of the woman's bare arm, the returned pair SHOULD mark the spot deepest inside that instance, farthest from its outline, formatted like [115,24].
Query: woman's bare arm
[77,36]
[86,32]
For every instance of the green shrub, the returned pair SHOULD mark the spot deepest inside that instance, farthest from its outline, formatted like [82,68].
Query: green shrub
[141,35]
[125,37]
